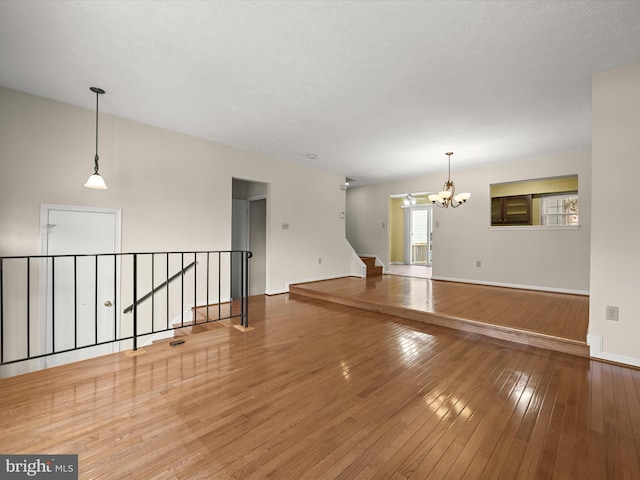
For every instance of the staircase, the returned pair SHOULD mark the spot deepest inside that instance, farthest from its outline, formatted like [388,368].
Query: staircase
[372,269]
[195,321]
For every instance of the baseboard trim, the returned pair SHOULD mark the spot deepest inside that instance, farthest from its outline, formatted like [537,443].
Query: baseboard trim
[595,350]
[277,292]
[513,285]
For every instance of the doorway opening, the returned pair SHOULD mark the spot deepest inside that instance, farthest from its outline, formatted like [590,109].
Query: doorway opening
[410,236]
[418,230]
[249,232]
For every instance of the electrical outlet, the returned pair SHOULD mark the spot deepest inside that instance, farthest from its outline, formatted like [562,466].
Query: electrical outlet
[611,313]
[478,263]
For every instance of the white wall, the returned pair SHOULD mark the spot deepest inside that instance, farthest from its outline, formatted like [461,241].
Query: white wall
[174,190]
[615,255]
[534,258]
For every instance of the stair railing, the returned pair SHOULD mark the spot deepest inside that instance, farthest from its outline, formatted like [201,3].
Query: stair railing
[56,304]
[158,288]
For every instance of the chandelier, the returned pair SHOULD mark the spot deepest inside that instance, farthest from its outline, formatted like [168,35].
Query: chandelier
[447,197]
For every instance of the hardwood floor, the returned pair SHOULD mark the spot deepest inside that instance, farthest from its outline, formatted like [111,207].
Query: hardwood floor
[549,320]
[419,271]
[326,391]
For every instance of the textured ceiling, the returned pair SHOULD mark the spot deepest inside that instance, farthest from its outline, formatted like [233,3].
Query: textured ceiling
[374,89]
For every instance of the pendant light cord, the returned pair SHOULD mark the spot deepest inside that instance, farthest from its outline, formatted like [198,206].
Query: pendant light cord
[95,168]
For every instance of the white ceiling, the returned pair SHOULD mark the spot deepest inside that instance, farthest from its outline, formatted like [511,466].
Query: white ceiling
[374,89]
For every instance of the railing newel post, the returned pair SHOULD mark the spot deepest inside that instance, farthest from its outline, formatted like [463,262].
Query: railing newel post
[248,254]
[135,301]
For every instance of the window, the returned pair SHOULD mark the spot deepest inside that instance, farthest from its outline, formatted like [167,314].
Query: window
[559,209]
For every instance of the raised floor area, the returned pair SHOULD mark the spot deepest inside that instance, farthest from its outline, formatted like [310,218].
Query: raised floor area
[555,321]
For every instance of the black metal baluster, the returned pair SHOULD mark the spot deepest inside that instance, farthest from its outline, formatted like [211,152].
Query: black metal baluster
[75,301]
[1,311]
[167,290]
[95,307]
[246,306]
[115,297]
[135,301]
[53,304]
[219,284]
[231,284]
[182,289]
[208,267]
[28,306]
[153,292]
[195,286]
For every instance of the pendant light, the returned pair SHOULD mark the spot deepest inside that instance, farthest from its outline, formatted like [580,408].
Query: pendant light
[447,197]
[96,180]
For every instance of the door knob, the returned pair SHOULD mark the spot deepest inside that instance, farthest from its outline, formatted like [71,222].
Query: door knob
[108,303]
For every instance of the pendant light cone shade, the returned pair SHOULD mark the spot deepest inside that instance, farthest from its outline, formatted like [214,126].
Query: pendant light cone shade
[95,180]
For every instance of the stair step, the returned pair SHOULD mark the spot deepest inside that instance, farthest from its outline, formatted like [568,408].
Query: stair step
[374,271]
[369,261]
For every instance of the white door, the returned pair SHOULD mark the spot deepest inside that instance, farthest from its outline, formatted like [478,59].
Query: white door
[418,231]
[81,291]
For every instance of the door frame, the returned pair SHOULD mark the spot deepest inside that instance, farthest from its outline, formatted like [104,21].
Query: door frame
[251,223]
[44,214]
[44,266]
